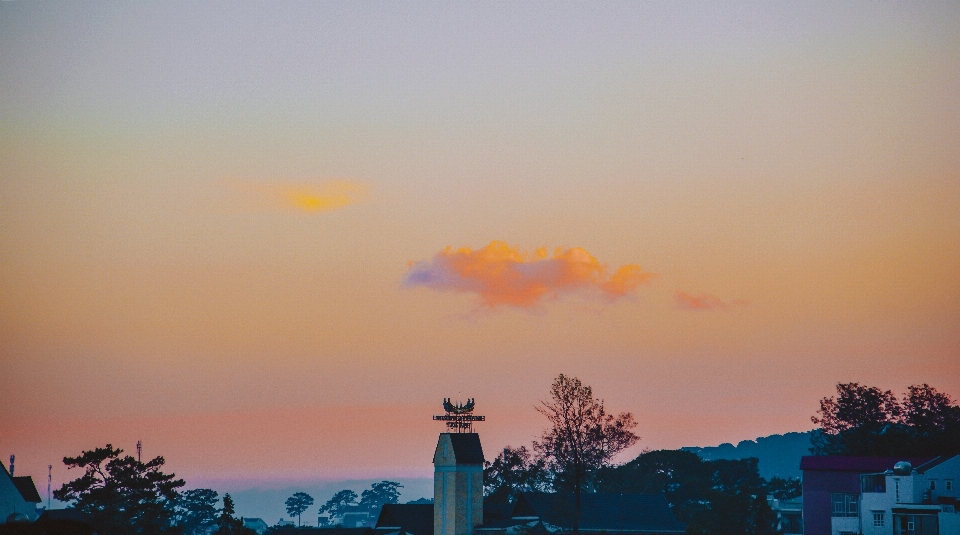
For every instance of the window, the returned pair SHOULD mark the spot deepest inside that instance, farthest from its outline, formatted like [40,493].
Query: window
[845,504]
[897,489]
[933,484]
[878,518]
[873,483]
[948,484]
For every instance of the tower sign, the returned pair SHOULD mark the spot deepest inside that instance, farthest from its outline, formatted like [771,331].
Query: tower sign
[459,417]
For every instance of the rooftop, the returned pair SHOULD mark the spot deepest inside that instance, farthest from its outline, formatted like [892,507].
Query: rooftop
[856,464]
[467,448]
[27,489]
[602,512]
[415,518]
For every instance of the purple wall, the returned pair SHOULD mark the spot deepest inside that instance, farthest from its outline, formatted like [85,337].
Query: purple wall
[817,487]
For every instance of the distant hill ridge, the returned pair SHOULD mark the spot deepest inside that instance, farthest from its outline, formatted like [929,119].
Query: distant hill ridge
[779,455]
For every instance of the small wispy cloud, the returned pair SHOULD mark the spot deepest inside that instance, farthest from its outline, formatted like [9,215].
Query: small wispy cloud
[310,197]
[501,275]
[704,301]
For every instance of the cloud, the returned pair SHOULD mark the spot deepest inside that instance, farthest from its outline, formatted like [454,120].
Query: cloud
[501,275]
[704,301]
[310,197]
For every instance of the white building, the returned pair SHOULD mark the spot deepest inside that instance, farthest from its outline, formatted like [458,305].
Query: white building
[18,496]
[789,515]
[911,500]
[256,524]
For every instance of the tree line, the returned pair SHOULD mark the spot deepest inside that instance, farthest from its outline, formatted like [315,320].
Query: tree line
[864,420]
[576,453]
[712,497]
[372,499]
[119,495]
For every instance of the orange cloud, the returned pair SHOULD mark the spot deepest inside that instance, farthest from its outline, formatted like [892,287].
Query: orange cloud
[504,276]
[704,301]
[301,196]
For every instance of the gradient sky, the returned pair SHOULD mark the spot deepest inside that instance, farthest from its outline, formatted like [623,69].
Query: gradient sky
[268,238]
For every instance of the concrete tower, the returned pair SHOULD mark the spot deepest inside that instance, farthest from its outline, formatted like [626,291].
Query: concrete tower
[457,484]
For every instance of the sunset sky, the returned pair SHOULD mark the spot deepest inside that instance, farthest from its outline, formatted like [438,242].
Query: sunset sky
[268,239]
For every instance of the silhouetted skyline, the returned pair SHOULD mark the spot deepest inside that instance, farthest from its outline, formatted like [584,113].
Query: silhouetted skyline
[263,237]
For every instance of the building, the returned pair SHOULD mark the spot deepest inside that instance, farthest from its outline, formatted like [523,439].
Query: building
[919,500]
[18,496]
[879,496]
[621,513]
[789,515]
[355,516]
[256,524]
[457,484]
[413,518]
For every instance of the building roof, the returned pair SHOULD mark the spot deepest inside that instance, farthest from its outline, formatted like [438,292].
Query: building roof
[621,512]
[356,508]
[467,448]
[415,518]
[27,489]
[933,462]
[70,513]
[838,463]
[324,531]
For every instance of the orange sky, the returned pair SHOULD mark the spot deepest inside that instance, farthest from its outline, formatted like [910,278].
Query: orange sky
[210,222]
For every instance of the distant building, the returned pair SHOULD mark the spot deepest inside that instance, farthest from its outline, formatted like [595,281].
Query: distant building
[789,515]
[18,497]
[355,516]
[281,523]
[256,524]
[871,496]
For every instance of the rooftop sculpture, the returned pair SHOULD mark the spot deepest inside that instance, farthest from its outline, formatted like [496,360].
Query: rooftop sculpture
[459,417]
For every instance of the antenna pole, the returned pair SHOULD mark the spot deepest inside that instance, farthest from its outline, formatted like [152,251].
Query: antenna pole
[49,480]
[139,446]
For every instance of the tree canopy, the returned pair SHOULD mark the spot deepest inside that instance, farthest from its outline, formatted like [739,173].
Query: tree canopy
[297,504]
[340,501]
[196,510]
[721,497]
[864,420]
[712,497]
[227,524]
[513,471]
[582,437]
[120,494]
[380,493]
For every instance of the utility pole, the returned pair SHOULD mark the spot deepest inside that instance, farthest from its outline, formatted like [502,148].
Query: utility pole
[138,451]
[49,480]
